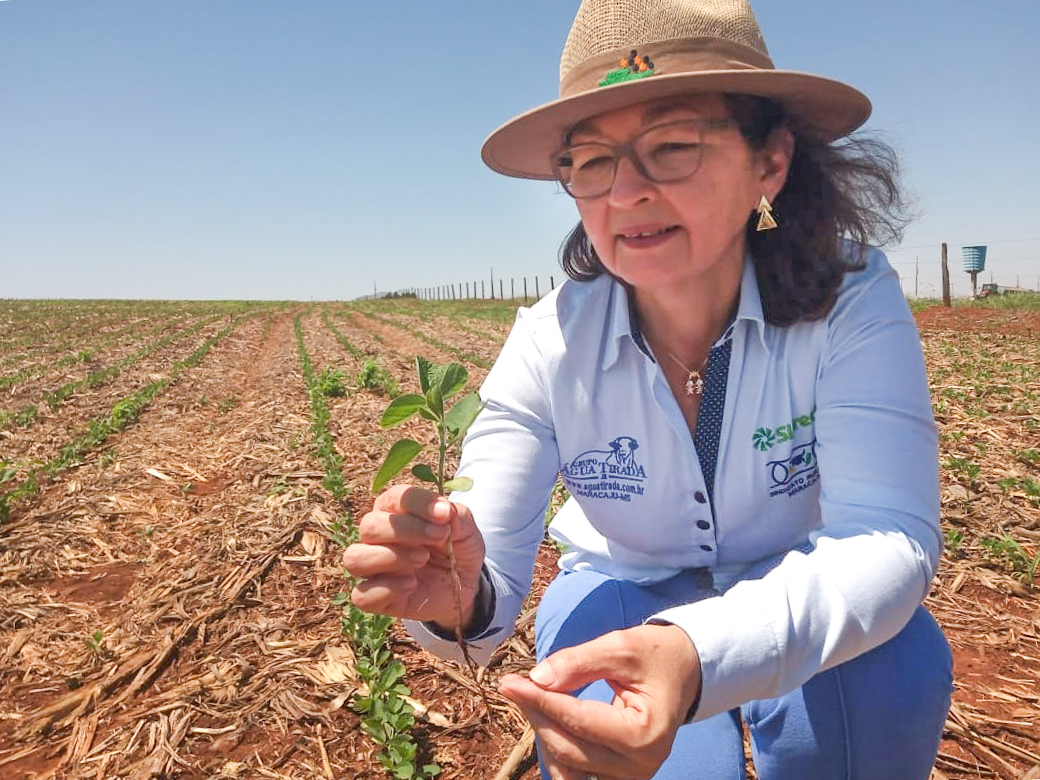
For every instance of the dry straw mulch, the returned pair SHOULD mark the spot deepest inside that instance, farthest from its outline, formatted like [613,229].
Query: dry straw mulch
[165,607]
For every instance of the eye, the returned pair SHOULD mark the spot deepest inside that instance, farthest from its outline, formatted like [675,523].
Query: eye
[664,151]
[588,163]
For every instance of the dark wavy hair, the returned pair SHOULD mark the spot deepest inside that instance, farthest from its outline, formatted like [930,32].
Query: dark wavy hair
[834,190]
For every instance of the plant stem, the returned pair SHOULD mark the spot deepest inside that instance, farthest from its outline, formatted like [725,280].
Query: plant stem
[456,583]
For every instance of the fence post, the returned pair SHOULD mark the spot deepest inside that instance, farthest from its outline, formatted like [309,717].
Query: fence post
[492,284]
[512,288]
[481,288]
[525,291]
[537,295]
[552,283]
[500,297]
[945,278]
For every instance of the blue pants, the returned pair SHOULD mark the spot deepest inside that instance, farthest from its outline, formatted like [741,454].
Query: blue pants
[877,717]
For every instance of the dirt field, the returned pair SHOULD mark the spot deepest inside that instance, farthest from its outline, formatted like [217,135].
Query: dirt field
[168,553]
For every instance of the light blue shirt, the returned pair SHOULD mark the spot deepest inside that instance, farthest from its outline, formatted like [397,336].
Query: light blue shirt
[825,532]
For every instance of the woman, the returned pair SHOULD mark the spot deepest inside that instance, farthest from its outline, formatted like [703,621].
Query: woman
[735,396]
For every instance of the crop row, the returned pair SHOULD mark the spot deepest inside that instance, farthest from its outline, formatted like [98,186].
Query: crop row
[382,705]
[99,430]
[372,375]
[468,357]
[27,414]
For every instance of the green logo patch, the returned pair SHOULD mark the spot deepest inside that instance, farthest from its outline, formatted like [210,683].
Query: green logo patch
[764,439]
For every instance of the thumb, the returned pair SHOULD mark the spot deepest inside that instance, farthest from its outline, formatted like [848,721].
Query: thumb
[574,667]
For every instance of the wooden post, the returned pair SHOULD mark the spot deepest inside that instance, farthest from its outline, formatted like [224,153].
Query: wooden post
[525,290]
[512,288]
[481,288]
[946,278]
[500,296]
[492,284]
[552,283]
[537,294]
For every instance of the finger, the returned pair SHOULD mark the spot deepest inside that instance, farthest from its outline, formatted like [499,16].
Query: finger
[563,749]
[368,560]
[573,667]
[385,594]
[587,720]
[417,501]
[618,656]
[386,528]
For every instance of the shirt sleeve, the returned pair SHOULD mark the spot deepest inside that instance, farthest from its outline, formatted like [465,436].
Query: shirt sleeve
[510,453]
[870,562]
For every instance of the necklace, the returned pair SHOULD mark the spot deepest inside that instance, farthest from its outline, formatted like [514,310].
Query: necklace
[694,380]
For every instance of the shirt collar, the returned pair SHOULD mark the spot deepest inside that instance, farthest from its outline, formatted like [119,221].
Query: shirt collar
[750,307]
[622,322]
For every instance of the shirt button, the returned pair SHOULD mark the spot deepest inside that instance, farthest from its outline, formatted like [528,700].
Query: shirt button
[704,525]
[699,497]
[706,547]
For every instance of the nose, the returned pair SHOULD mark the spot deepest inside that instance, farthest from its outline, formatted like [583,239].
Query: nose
[630,186]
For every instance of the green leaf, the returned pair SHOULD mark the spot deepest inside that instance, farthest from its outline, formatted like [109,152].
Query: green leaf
[424,472]
[459,484]
[461,415]
[435,402]
[452,379]
[405,770]
[401,408]
[400,455]
[431,770]
[425,369]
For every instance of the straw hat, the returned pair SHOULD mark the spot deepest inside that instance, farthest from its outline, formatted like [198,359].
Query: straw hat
[623,52]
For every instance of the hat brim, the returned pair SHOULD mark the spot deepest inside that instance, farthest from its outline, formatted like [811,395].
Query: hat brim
[523,146]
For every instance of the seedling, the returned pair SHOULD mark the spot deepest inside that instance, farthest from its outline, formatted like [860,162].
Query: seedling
[1006,548]
[954,539]
[96,643]
[329,383]
[438,383]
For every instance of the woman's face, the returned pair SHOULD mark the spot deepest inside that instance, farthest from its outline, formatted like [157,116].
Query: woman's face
[664,235]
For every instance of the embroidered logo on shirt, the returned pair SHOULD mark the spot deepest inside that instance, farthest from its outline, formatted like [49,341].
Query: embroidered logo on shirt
[764,439]
[791,476]
[613,474]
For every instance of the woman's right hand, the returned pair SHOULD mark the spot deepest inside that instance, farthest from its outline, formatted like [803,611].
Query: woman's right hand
[401,557]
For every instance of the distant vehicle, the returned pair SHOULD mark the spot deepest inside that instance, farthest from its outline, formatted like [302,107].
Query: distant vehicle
[999,289]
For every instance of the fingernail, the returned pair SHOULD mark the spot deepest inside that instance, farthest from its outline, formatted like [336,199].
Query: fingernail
[443,510]
[419,555]
[543,674]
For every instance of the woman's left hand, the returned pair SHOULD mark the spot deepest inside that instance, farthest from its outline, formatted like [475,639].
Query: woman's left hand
[655,673]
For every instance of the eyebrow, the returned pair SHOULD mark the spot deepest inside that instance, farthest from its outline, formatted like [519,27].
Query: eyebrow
[650,114]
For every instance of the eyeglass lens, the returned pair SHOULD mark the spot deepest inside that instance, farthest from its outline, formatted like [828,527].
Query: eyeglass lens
[663,153]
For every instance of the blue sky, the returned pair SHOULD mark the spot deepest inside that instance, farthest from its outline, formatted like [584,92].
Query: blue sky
[314,150]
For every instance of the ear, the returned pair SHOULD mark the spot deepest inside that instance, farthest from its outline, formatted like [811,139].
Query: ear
[774,161]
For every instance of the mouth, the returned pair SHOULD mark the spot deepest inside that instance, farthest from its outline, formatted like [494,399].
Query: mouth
[646,236]
[648,233]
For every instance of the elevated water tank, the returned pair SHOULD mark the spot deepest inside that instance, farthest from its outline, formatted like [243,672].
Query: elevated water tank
[974,258]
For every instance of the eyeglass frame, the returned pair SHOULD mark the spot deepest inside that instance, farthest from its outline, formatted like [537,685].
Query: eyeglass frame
[627,151]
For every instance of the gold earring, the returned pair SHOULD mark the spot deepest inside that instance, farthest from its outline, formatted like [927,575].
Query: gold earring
[766,220]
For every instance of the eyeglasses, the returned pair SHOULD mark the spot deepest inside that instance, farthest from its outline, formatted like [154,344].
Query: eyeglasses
[663,153]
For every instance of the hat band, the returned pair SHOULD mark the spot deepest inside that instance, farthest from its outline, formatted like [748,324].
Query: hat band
[671,57]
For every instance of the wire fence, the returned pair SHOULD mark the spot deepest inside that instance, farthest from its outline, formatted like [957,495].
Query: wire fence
[514,289]
[1013,263]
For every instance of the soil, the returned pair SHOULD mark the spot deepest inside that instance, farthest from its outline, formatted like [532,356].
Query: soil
[165,606]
